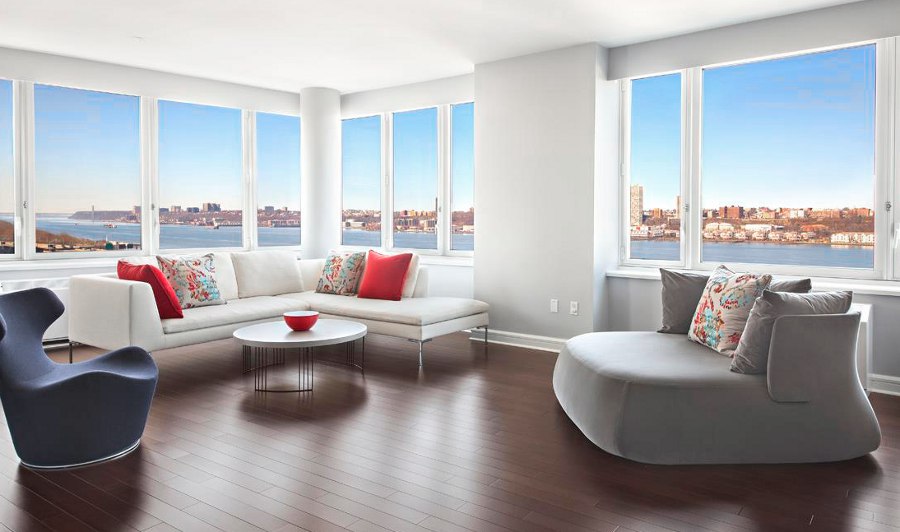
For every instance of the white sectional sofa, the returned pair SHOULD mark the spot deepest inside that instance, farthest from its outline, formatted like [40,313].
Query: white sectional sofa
[107,312]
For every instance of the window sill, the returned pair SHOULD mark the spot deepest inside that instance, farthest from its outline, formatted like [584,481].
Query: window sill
[861,287]
[446,260]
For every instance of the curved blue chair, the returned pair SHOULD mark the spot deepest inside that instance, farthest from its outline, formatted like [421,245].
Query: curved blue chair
[67,415]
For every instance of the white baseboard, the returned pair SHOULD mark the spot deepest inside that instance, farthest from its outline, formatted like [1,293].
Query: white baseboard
[530,341]
[886,384]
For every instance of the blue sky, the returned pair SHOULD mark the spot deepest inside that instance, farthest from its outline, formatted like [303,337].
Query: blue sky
[415,159]
[278,160]
[6,147]
[361,163]
[793,132]
[199,155]
[87,150]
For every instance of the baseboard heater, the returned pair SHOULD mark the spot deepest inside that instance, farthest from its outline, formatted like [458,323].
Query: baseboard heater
[58,333]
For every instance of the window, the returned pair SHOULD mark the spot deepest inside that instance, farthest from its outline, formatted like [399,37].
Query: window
[784,160]
[654,169]
[361,175]
[462,177]
[278,180]
[87,160]
[200,176]
[7,178]
[415,179]
[788,160]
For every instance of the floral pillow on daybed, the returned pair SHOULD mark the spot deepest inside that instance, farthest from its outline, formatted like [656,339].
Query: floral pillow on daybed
[724,308]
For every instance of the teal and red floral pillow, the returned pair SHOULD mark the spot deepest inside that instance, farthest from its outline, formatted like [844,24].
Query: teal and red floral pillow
[341,273]
[193,279]
[724,308]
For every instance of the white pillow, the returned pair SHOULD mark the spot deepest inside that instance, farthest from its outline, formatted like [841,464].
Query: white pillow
[266,273]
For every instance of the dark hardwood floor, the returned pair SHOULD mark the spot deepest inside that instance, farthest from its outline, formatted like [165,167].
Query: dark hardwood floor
[468,443]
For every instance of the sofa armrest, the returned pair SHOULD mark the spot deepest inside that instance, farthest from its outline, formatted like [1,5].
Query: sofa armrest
[421,289]
[111,313]
[813,357]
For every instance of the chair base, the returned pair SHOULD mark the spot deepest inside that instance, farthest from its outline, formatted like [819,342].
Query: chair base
[109,458]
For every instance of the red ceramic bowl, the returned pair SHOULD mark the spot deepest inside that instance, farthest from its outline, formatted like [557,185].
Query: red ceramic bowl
[301,320]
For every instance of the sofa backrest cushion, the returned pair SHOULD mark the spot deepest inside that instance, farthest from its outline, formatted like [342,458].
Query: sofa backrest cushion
[228,286]
[310,272]
[225,279]
[267,273]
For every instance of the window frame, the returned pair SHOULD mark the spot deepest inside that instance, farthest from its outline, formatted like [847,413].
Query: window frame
[886,265]
[625,174]
[28,178]
[252,180]
[444,182]
[24,177]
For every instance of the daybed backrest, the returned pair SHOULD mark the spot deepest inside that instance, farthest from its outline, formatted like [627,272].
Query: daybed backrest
[813,357]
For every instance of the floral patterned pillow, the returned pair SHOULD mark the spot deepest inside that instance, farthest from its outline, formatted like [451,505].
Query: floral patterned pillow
[193,279]
[341,273]
[724,308]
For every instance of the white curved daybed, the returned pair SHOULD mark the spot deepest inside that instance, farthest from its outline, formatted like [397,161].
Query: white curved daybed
[662,399]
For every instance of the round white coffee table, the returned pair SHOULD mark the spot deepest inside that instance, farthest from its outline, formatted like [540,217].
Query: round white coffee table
[266,344]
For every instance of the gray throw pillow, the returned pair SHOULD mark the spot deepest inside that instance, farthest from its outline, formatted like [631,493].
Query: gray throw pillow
[682,291]
[752,353]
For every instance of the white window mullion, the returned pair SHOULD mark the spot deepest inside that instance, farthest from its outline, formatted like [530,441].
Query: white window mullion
[624,170]
[23,112]
[887,116]
[444,214]
[249,218]
[692,186]
[387,190]
[149,177]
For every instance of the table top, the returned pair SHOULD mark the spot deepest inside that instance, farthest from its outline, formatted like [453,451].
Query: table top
[278,335]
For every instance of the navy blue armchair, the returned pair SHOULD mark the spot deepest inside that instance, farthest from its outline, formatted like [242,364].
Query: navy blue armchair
[67,415]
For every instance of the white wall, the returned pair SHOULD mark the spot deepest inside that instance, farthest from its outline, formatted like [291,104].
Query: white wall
[843,24]
[413,96]
[83,74]
[534,195]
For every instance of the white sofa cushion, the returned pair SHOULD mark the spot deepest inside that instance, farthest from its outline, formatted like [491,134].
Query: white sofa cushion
[267,273]
[411,311]
[236,311]
[225,278]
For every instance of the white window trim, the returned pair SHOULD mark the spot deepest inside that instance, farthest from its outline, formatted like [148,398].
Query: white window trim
[444,185]
[887,116]
[26,255]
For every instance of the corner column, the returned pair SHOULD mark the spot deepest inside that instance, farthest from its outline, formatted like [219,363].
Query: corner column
[320,166]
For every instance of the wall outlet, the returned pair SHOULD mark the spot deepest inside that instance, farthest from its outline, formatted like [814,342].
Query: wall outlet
[554,305]
[573,308]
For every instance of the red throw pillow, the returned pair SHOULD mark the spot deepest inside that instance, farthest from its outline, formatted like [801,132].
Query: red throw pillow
[166,302]
[384,276]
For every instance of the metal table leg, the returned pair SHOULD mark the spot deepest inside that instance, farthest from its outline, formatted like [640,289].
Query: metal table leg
[262,358]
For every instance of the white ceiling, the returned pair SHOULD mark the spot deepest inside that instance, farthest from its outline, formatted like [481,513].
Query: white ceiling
[351,45]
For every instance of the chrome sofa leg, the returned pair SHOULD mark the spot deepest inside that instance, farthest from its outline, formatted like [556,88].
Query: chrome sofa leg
[485,340]
[71,344]
[421,346]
